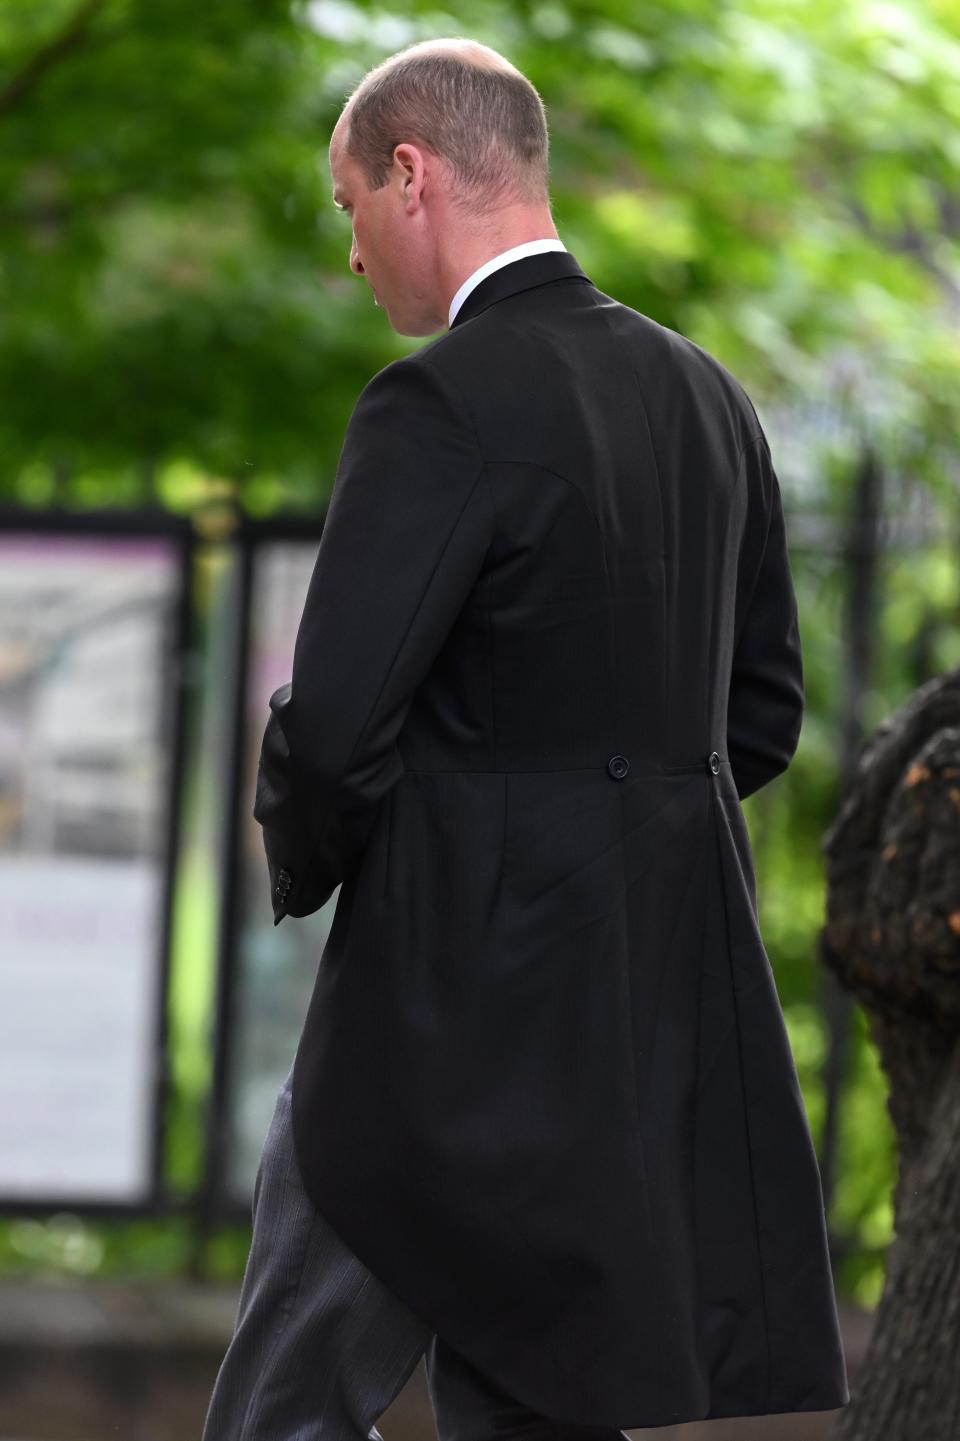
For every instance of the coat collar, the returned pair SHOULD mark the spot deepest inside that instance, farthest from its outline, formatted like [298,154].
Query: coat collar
[522,274]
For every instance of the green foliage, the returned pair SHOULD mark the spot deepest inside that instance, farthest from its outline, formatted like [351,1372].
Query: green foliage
[771,180]
[863,1204]
[66,1245]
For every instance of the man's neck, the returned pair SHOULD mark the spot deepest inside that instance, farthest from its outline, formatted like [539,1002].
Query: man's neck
[467,257]
[493,260]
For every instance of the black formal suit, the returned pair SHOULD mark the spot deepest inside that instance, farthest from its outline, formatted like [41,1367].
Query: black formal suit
[544,1088]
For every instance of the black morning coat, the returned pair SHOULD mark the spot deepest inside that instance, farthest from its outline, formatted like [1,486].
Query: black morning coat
[544,1088]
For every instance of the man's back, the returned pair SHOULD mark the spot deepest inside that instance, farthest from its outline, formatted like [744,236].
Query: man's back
[632,494]
[544,1089]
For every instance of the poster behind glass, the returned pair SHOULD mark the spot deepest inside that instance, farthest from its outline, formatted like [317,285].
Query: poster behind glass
[275,966]
[87,637]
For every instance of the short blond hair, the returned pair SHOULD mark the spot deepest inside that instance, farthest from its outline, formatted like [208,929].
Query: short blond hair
[466,103]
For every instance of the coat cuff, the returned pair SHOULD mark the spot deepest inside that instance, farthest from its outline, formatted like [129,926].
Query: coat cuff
[281,879]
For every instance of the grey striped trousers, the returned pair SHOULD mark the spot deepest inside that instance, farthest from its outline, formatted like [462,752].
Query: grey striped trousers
[321,1348]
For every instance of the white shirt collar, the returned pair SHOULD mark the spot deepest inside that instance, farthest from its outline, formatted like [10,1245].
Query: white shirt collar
[528,247]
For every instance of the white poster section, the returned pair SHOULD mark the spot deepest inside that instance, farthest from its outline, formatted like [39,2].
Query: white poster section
[86,625]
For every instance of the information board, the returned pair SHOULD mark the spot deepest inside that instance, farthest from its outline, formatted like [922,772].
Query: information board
[267,971]
[91,627]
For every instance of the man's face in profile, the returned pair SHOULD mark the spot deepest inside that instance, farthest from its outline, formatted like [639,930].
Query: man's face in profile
[391,242]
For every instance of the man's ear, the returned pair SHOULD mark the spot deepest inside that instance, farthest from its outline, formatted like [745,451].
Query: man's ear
[410,159]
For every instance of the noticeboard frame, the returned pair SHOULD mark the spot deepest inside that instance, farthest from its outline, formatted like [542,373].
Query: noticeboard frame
[146,522]
[214,1203]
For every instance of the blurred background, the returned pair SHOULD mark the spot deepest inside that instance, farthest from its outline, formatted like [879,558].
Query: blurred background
[181,345]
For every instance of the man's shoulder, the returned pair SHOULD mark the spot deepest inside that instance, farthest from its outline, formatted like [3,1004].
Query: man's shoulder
[487,352]
[415,379]
[678,351]
[458,347]
[413,401]
[697,356]
[452,351]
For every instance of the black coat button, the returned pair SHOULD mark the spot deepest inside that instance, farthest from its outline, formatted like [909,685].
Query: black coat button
[618,767]
[713,761]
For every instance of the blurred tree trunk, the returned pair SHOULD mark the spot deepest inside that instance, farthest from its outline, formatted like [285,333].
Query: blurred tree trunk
[892,937]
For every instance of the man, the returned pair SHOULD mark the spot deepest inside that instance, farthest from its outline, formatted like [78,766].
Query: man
[543,1124]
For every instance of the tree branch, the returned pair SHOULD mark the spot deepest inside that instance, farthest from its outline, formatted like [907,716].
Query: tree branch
[16,90]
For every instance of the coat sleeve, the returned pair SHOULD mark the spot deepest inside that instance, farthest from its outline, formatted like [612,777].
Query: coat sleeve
[403,543]
[766,699]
